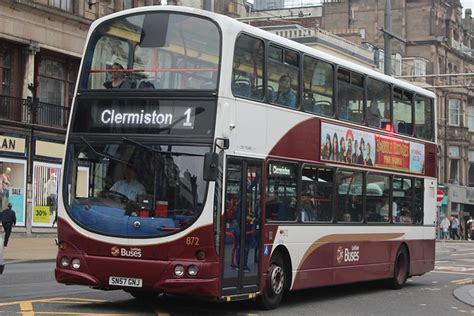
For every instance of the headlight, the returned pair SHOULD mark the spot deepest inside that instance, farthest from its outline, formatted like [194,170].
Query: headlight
[193,270]
[179,270]
[75,263]
[64,262]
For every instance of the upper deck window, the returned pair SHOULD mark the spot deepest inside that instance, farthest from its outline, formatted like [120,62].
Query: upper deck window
[283,77]
[247,75]
[350,96]
[424,118]
[318,86]
[402,111]
[378,103]
[153,51]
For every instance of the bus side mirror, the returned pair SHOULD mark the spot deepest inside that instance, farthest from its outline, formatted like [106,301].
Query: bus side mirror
[211,163]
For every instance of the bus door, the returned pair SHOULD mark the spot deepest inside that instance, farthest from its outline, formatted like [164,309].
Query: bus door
[242,220]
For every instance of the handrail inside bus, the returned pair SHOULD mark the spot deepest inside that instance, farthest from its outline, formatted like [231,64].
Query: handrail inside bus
[153,70]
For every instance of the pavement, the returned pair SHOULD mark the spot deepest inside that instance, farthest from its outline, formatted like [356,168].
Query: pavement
[27,248]
[42,247]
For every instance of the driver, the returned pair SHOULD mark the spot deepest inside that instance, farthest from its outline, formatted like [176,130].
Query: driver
[130,187]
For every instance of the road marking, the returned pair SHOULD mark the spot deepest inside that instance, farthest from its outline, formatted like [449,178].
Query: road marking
[452,272]
[26,308]
[463,281]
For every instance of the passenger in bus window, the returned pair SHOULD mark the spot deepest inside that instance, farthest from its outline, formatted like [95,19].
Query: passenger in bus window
[307,213]
[346,217]
[373,114]
[285,95]
[119,81]
[405,216]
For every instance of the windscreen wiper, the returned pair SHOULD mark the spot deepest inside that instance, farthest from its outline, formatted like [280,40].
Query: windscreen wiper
[171,153]
[100,154]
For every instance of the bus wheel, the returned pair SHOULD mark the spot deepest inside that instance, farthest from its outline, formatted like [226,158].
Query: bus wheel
[275,284]
[143,295]
[400,272]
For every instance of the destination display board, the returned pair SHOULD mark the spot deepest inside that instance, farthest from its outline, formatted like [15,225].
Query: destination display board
[149,116]
[356,147]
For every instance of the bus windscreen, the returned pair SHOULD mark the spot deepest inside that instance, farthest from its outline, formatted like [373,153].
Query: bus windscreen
[156,50]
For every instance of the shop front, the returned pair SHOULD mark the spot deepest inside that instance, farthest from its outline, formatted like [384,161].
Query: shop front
[13,166]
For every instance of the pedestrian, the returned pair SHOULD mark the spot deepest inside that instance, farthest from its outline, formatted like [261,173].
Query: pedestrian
[470,228]
[445,224]
[455,228]
[8,221]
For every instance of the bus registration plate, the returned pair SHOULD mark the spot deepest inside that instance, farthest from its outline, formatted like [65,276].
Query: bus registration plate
[120,281]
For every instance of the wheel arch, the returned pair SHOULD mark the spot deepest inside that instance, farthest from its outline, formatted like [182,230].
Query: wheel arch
[407,248]
[285,255]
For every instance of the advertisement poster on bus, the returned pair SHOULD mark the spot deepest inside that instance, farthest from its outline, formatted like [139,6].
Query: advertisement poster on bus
[355,147]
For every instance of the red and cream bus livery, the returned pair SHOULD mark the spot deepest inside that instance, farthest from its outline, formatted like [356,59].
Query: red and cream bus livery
[206,157]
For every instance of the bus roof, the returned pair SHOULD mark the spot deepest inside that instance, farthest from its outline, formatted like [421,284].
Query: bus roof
[234,27]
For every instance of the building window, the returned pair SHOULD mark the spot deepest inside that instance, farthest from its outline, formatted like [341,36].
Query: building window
[65,5]
[454,112]
[5,71]
[470,117]
[420,67]
[127,4]
[52,77]
[471,168]
[454,155]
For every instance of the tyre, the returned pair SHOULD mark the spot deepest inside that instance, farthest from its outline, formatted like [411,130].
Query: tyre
[275,284]
[400,271]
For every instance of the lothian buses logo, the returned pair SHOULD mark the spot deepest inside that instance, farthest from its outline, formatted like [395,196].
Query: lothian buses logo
[132,252]
[115,251]
[347,254]
[339,254]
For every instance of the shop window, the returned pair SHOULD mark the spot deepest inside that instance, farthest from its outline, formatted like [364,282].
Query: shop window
[281,191]
[12,190]
[45,194]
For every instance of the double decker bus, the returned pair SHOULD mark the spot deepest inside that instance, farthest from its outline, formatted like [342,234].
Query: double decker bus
[210,158]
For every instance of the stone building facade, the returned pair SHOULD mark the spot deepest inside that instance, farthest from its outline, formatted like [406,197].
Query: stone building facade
[438,42]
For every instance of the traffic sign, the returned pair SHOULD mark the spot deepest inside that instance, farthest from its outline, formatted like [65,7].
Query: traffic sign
[439,195]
